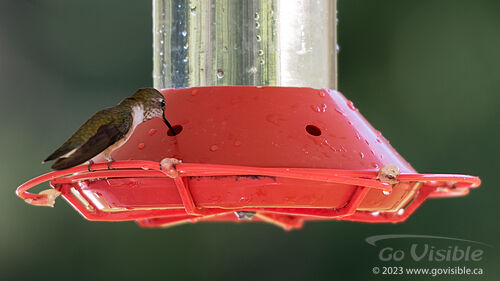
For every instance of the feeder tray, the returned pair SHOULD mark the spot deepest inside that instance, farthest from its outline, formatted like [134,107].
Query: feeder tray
[270,154]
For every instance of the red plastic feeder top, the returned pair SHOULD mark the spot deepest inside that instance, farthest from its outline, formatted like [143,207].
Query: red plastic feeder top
[272,154]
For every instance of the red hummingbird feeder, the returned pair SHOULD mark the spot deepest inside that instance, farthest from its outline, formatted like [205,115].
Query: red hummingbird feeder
[282,155]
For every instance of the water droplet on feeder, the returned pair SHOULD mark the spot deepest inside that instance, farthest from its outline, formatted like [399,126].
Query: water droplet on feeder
[237,143]
[385,192]
[401,211]
[194,92]
[141,146]
[376,213]
[350,104]
[362,155]
[152,132]
[375,165]
[214,148]
[316,108]
[340,111]
[272,118]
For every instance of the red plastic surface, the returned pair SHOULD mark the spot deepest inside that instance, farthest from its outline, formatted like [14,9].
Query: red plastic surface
[288,154]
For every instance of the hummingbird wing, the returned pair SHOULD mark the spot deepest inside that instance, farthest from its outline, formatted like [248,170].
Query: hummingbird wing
[98,133]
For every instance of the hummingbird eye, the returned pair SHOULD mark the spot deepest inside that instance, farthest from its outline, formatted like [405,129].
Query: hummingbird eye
[162,103]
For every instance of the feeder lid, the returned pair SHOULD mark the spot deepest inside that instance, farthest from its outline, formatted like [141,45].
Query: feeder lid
[270,154]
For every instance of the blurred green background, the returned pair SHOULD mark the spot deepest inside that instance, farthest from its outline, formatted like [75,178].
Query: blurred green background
[425,73]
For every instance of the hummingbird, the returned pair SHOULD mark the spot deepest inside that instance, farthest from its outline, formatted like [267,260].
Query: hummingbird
[109,129]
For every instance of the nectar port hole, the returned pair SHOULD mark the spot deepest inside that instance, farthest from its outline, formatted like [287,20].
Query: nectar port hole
[177,130]
[313,130]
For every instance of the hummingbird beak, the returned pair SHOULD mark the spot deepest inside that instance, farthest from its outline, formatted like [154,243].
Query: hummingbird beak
[168,124]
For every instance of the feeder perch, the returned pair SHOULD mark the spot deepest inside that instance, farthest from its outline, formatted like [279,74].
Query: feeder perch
[269,150]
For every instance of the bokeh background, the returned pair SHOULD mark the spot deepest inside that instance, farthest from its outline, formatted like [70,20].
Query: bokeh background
[426,73]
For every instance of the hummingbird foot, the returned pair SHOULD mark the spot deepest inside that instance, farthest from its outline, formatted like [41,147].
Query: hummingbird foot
[110,162]
[91,162]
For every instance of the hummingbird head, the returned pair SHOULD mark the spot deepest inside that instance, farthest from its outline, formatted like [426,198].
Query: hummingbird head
[152,103]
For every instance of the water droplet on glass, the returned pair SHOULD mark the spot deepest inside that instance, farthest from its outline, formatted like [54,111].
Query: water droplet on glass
[220,73]
[260,52]
[184,33]
[258,38]
[337,48]
[152,132]
[256,16]
[161,42]
[261,61]
[185,60]
[186,46]
[214,148]
[141,145]
[257,25]
[161,54]
[225,48]
[252,70]
[192,9]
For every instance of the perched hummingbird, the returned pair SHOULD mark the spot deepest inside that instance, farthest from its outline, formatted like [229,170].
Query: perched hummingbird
[109,129]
